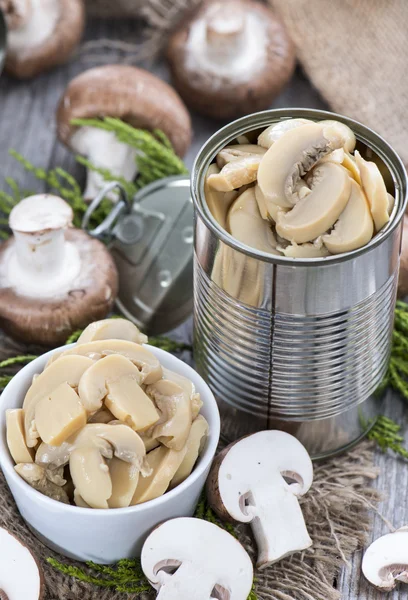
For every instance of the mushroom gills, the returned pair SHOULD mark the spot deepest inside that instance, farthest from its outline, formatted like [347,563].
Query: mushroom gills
[112,329]
[90,475]
[16,443]
[173,426]
[36,476]
[218,202]
[194,446]
[317,212]
[235,174]
[375,190]
[354,227]
[104,151]
[291,157]
[164,464]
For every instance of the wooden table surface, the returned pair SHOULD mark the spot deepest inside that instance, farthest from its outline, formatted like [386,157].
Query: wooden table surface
[27,124]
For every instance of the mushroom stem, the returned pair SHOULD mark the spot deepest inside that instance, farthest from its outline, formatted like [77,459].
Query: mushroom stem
[225,31]
[16,12]
[278,524]
[103,150]
[31,23]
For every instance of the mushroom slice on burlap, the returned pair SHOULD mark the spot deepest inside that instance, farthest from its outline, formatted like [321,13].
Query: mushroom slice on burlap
[274,132]
[124,92]
[41,34]
[147,363]
[175,409]
[194,446]
[375,190]
[189,558]
[164,464]
[317,212]
[291,157]
[35,475]
[16,443]
[21,576]
[354,227]
[116,381]
[217,202]
[67,370]
[112,329]
[247,484]
[54,279]
[386,560]
[236,173]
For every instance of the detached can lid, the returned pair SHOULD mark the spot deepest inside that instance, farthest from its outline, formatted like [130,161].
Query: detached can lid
[151,241]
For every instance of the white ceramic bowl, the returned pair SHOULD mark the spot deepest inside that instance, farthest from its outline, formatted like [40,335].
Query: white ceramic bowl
[104,536]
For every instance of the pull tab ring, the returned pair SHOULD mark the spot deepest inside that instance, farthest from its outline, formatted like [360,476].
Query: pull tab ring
[123,205]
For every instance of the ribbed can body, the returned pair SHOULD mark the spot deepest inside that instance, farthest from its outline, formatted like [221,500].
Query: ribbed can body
[301,345]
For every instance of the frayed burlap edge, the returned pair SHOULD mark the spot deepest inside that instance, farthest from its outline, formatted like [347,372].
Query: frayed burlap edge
[337,513]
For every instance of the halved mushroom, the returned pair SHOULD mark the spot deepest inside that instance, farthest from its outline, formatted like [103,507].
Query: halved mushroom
[246,225]
[189,388]
[68,369]
[189,558]
[90,475]
[194,446]
[235,151]
[175,408]
[36,476]
[116,380]
[350,164]
[386,560]
[218,202]
[164,464]
[354,227]
[42,34]
[112,329]
[317,212]
[21,576]
[148,365]
[247,484]
[16,443]
[375,190]
[125,477]
[125,92]
[291,157]
[236,173]
[274,132]
[59,415]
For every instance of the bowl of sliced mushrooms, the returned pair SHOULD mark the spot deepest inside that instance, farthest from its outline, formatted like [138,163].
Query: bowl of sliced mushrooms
[104,439]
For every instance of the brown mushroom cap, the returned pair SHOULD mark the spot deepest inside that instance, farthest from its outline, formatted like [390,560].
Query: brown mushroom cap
[128,93]
[57,49]
[50,321]
[220,96]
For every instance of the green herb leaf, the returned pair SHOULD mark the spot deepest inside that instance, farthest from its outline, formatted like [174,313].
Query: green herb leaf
[386,433]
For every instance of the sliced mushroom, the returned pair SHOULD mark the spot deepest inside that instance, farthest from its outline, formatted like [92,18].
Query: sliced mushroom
[189,388]
[21,576]
[274,132]
[68,369]
[235,151]
[236,173]
[391,202]
[246,225]
[112,329]
[146,362]
[164,464]
[174,404]
[189,558]
[336,156]
[115,380]
[303,250]
[194,446]
[102,416]
[79,501]
[386,560]
[291,157]
[56,456]
[35,475]
[16,443]
[217,202]
[90,475]
[150,442]
[350,164]
[59,415]
[354,227]
[125,477]
[349,137]
[316,213]
[375,190]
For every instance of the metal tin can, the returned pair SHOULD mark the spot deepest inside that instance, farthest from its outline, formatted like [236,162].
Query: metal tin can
[296,344]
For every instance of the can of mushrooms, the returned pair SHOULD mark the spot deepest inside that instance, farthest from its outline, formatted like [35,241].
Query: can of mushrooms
[297,337]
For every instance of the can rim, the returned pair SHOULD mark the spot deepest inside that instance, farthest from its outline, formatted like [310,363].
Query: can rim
[256,120]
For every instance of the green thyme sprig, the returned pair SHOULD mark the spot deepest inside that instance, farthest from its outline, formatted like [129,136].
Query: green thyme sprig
[386,433]
[397,375]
